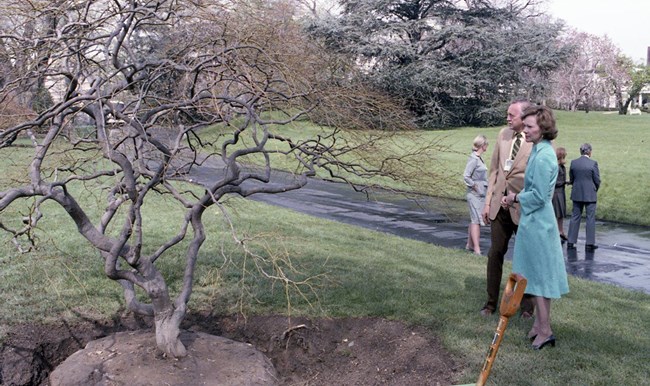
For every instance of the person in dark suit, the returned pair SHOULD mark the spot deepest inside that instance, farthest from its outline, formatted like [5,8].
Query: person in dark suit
[584,176]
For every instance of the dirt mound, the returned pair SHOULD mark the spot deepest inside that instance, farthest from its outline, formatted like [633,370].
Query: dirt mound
[130,358]
[353,351]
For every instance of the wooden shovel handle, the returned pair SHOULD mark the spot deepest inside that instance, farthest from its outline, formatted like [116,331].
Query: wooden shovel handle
[510,301]
[512,295]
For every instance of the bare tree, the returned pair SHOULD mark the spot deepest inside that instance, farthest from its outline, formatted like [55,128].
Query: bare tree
[151,78]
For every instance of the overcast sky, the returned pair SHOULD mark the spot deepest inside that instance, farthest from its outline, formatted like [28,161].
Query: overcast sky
[626,22]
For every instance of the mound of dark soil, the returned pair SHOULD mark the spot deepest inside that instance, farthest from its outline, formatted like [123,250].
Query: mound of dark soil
[359,351]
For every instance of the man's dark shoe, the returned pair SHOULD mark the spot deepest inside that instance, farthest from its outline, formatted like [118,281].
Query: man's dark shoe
[486,311]
[591,247]
[570,246]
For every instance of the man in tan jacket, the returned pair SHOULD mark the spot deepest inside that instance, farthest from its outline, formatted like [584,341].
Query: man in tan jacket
[506,175]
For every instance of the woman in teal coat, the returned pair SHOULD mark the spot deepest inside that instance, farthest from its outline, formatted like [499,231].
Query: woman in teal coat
[538,251]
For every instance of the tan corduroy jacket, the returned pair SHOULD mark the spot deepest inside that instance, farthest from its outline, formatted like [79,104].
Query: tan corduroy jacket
[498,180]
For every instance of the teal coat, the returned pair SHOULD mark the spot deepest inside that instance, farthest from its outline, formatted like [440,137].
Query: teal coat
[538,251]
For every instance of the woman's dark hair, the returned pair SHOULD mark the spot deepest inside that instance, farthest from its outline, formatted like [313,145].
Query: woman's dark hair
[560,152]
[545,120]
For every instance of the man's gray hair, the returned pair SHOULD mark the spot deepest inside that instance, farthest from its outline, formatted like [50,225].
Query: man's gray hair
[522,102]
[585,148]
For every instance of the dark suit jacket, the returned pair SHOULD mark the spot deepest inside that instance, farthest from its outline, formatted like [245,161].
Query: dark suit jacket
[584,176]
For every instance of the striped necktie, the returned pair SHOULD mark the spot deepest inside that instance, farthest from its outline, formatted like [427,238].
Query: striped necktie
[515,146]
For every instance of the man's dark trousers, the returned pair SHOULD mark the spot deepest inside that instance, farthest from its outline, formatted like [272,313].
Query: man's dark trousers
[501,230]
[576,216]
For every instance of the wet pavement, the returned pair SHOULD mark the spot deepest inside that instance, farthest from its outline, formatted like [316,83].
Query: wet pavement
[622,259]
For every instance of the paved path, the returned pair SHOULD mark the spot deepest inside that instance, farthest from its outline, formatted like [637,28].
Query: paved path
[623,258]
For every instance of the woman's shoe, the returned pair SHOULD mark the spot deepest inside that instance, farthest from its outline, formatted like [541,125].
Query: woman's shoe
[550,340]
[532,338]
[563,237]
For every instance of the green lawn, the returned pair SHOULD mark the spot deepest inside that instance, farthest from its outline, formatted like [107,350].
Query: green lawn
[601,329]
[619,144]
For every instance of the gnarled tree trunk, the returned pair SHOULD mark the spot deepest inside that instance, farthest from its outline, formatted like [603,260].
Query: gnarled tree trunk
[167,324]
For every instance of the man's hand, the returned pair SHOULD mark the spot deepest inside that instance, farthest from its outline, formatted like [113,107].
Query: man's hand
[486,213]
[508,201]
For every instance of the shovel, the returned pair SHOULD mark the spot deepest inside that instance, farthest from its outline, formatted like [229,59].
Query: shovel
[510,301]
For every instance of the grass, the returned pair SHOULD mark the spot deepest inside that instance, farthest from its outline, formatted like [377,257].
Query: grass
[620,147]
[619,142]
[600,328]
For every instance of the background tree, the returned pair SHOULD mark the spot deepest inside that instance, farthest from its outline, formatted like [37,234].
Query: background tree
[597,72]
[577,80]
[639,79]
[615,69]
[163,87]
[452,63]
